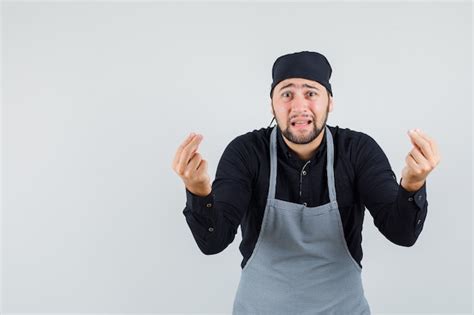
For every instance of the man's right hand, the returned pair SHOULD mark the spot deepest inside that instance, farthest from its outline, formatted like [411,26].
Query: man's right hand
[191,167]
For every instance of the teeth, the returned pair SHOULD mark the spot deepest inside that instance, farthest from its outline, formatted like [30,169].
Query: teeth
[301,122]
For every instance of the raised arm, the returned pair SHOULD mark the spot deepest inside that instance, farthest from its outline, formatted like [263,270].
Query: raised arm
[214,212]
[398,212]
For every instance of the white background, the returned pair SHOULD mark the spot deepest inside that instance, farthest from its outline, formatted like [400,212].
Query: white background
[97,97]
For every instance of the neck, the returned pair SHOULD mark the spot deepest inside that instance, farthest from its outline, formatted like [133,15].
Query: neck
[305,151]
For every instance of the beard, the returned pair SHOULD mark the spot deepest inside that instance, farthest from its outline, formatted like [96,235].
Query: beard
[304,138]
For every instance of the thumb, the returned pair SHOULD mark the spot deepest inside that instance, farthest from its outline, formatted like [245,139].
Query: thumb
[202,166]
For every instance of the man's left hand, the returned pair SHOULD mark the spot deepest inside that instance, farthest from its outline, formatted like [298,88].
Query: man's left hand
[420,161]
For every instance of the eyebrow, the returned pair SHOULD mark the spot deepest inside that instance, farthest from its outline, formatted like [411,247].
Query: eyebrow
[302,85]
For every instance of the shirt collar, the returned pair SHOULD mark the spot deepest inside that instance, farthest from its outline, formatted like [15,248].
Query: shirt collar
[291,155]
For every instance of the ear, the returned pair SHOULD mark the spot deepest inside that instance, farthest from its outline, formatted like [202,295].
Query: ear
[331,103]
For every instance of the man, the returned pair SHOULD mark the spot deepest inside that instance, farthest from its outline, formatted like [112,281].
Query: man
[299,191]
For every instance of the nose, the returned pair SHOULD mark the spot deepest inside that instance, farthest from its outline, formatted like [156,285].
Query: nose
[299,104]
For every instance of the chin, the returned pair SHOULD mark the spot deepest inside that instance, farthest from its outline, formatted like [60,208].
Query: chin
[299,137]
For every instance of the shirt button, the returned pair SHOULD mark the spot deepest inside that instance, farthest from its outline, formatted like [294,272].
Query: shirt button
[304,172]
[211,229]
[410,199]
[304,204]
[418,223]
[209,205]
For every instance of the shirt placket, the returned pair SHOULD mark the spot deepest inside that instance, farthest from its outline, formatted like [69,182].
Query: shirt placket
[303,180]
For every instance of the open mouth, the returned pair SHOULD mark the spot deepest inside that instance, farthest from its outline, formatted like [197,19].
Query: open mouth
[301,123]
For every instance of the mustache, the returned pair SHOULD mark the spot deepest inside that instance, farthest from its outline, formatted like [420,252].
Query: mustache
[302,116]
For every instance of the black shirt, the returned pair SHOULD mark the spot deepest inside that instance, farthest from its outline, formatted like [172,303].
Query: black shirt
[363,178]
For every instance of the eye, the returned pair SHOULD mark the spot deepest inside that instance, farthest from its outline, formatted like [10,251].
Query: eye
[312,93]
[285,94]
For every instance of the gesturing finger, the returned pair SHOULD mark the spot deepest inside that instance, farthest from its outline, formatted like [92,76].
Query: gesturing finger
[412,163]
[192,165]
[422,143]
[187,153]
[181,148]
[419,158]
[434,146]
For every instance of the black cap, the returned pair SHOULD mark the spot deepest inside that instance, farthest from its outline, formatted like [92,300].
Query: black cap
[305,64]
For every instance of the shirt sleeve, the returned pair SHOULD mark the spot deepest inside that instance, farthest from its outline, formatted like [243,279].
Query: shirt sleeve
[214,219]
[398,214]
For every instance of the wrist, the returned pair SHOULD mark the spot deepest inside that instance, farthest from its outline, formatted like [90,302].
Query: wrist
[411,186]
[200,191]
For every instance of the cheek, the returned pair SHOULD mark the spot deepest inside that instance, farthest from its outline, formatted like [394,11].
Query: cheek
[281,110]
[319,107]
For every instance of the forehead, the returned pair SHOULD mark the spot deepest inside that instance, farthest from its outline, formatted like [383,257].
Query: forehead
[299,82]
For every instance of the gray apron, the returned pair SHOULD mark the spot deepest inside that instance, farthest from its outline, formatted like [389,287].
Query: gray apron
[301,263]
